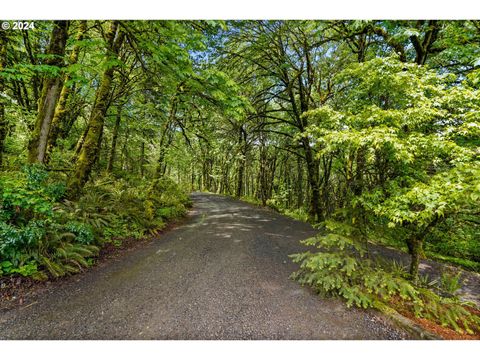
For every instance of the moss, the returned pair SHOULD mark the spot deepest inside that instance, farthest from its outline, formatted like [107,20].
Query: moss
[89,152]
[37,145]
[60,109]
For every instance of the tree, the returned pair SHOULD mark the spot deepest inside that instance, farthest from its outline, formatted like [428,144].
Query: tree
[369,124]
[288,53]
[113,147]
[50,92]
[404,122]
[59,117]
[90,148]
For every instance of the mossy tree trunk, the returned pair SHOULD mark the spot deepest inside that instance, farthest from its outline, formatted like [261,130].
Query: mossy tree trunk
[90,149]
[31,49]
[313,175]
[415,244]
[299,185]
[51,86]
[3,120]
[166,134]
[415,248]
[113,148]
[242,138]
[59,117]
[263,175]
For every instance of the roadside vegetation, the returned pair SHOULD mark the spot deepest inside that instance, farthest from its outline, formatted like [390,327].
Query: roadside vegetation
[46,236]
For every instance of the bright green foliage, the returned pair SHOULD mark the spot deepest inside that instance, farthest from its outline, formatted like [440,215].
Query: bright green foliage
[31,229]
[341,268]
[28,269]
[406,141]
[116,208]
[41,236]
[25,213]
[83,233]
[450,283]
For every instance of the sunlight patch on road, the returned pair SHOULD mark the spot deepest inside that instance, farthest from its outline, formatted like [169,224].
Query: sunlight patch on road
[228,236]
[162,251]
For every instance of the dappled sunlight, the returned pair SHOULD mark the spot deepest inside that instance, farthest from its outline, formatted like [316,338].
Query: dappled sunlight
[278,235]
[225,224]
[424,266]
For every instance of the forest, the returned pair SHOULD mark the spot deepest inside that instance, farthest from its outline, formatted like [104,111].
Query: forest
[369,130]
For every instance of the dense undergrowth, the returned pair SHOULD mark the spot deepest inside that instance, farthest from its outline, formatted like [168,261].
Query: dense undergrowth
[343,269]
[42,235]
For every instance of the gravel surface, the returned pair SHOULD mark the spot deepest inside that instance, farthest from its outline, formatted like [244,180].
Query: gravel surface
[223,274]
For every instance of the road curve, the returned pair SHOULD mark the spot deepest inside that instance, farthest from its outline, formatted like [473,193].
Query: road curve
[223,274]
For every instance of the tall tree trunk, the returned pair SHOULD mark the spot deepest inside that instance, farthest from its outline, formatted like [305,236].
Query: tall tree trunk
[126,160]
[301,123]
[165,140]
[165,136]
[91,146]
[113,148]
[241,170]
[18,93]
[60,110]
[312,172]
[72,115]
[246,187]
[271,172]
[80,142]
[192,177]
[262,191]
[299,187]
[26,99]
[287,182]
[3,121]
[422,46]
[35,81]
[241,166]
[50,92]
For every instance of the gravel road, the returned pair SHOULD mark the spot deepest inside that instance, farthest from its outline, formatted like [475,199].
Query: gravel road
[223,274]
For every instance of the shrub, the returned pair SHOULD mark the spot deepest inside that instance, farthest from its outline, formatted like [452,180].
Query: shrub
[342,269]
[83,233]
[40,236]
[31,229]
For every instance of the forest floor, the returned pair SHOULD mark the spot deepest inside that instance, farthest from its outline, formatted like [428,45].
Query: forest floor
[221,274]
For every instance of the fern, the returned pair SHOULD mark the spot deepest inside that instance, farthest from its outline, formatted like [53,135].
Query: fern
[68,258]
[341,269]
